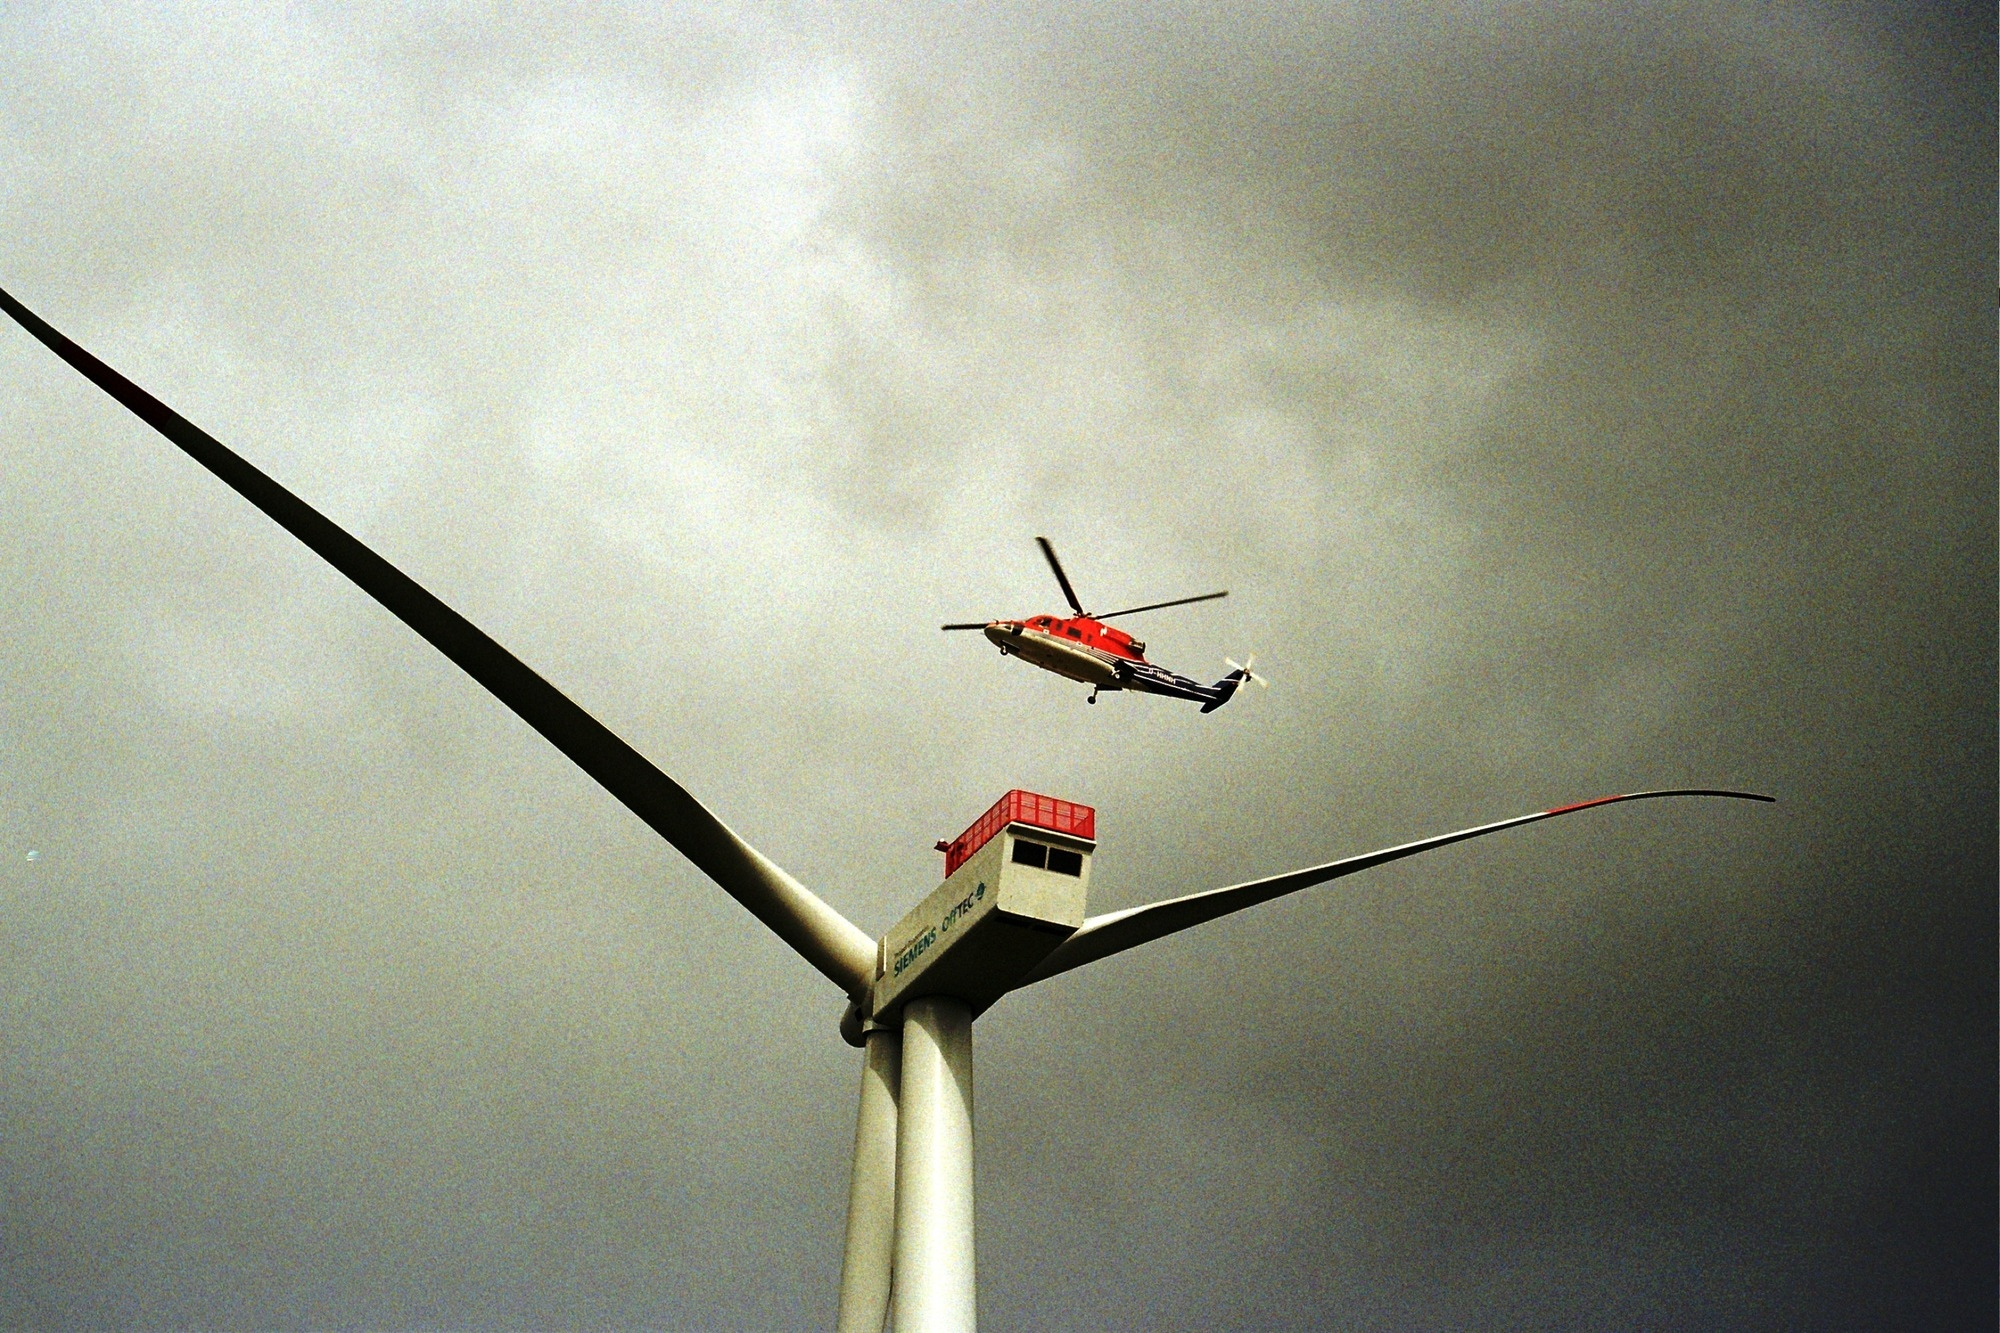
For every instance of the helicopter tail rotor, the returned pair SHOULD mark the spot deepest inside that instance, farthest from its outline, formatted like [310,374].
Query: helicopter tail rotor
[1244,668]
[1225,689]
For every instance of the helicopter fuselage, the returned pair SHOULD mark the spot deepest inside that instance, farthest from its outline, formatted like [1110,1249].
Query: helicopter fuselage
[1083,648]
[1078,648]
[1099,655]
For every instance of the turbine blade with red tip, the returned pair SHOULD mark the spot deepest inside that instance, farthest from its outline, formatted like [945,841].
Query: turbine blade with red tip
[1102,936]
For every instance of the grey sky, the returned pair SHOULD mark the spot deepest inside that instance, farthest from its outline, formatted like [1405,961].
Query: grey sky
[1572,399]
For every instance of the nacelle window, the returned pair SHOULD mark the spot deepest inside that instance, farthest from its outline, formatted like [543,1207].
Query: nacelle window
[1058,859]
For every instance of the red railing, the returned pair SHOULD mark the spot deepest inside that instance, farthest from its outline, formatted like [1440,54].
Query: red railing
[1020,807]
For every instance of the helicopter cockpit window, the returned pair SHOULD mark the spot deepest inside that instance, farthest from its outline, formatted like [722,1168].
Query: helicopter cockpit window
[1074,632]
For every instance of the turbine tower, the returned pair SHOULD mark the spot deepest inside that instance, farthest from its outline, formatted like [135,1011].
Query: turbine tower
[1009,913]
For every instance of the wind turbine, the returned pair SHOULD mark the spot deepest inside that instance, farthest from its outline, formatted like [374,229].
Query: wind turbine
[1006,916]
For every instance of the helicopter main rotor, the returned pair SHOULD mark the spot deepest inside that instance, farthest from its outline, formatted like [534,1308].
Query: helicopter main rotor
[1049,552]
[1069,593]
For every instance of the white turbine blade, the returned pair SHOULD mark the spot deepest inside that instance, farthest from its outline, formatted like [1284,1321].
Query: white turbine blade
[1101,936]
[826,939]
[841,950]
[867,1267]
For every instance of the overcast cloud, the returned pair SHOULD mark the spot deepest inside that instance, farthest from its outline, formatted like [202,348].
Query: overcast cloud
[1573,399]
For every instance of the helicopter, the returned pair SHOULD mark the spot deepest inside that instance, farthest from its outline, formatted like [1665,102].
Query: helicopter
[1083,648]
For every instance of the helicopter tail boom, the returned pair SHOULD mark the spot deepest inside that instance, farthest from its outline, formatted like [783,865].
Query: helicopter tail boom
[1225,690]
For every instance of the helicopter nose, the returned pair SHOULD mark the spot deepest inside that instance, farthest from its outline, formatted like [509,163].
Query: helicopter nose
[1000,631]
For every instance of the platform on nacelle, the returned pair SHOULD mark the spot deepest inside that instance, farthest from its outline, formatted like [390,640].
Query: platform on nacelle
[1015,891]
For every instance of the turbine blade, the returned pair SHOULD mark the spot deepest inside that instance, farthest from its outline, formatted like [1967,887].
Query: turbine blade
[867,1267]
[1154,606]
[1062,578]
[1102,936]
[823,936]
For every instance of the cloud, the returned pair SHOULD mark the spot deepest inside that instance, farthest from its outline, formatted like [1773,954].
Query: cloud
[1572,400]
